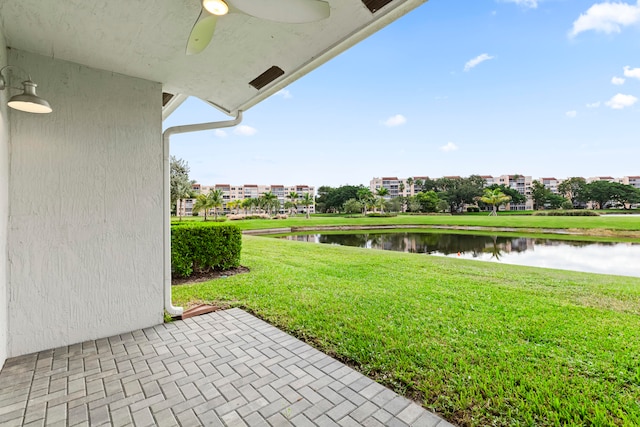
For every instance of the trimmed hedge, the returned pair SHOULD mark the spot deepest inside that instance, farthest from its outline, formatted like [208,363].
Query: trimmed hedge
[201,247]
[381,215]
[562,212]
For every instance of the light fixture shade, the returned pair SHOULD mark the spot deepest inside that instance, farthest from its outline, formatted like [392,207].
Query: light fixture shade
[215,7]
[28,100]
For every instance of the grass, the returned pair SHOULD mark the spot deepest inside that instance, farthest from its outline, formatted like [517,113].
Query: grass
[615,225]
[479,343]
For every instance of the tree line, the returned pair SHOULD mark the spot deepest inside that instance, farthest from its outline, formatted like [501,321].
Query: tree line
[453,194]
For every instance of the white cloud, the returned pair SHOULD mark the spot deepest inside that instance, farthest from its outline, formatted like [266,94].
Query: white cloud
[571,114]
[621,101]
[532,4]
[594,105]
[286,94]
[607,18]
[396,120]
[450,146]
[244,130]
[617,81]
[633,73]
[220,133]
[477,60]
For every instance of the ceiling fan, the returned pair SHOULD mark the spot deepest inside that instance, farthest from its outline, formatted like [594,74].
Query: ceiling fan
[285,11]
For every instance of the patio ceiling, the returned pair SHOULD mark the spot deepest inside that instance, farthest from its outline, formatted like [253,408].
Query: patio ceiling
[147,39]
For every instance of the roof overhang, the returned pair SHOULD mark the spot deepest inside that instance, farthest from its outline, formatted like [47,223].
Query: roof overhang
[147,39]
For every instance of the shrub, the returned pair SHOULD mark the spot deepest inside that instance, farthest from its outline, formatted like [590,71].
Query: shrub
[237,217]
[381,215]
[562,212]
[473,209]
[202,247]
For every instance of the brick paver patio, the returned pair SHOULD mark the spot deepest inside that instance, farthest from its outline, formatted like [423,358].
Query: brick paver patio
[224,368]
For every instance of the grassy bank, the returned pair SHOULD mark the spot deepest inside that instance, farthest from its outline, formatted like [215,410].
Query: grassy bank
[479,343]
[617,224]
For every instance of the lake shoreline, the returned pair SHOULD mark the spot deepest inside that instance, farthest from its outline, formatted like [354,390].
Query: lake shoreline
[596,232]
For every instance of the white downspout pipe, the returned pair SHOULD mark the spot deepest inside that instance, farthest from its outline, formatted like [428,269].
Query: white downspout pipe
[166,136]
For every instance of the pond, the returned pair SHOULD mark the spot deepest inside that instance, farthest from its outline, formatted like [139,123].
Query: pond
[592,257]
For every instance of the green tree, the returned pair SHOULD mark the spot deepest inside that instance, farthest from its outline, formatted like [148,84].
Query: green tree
[293,199]
[494,198]
[401,198]
[364,196]
[573,189]
[332,199]
[381,193]
[203,203]
[625,195]
[396,204]
[428,201]
[516,196]
[233,205]
[413,204]
[307,201]
[216,198]
[600,192]
[540,194]
[267,200]
[352,206]
[460,191]
[556,201]
[180,186]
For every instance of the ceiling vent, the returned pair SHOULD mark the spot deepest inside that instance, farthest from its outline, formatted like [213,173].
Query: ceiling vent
[376,5]
[267,77]
[166,97]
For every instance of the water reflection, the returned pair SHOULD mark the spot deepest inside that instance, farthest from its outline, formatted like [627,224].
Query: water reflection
[608,258]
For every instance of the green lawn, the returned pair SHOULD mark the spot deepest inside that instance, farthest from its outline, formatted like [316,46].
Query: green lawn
[479,343]
[618,223]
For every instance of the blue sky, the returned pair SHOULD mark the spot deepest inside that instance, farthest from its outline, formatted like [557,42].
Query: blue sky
[547,88]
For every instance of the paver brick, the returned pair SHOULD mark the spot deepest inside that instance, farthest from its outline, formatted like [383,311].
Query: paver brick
[224,368]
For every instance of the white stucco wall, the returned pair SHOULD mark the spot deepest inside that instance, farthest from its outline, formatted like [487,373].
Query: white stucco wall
[85,198]
[4,206]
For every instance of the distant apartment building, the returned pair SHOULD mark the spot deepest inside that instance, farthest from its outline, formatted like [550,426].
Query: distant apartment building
[521,183]
[551,184]
[602,178]
[248,191]
[631,180]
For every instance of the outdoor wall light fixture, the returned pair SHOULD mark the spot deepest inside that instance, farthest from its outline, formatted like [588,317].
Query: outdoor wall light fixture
[28,100]
[216,7]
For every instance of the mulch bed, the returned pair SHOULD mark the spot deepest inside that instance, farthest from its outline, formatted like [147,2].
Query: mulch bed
[205,277]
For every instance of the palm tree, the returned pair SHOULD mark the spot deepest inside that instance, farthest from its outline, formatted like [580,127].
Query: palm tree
[402,199]
[364,196]
[182,189]
[267,200]
[247,204]
[202,203]
[293,198]
[232,205]
[495,198]
[410,183]
[216,198]
[381,193]
[417,183]
[307,200]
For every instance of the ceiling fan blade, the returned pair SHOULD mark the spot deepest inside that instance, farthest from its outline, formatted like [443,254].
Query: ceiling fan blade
[285,11]
[201,33]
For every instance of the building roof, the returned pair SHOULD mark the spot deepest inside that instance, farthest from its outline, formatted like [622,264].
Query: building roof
[147,39]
